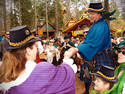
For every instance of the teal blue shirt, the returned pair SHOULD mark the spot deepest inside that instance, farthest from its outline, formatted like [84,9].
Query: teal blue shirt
[97,39]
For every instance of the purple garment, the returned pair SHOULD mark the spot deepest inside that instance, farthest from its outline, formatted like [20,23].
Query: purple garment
[47,79]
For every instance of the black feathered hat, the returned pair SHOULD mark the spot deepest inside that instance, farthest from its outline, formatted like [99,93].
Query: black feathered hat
[96,7]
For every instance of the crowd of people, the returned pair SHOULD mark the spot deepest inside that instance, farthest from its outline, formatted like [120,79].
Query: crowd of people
[30,65]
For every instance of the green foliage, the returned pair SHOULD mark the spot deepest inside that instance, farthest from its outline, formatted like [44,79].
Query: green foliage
[13,18]
[60,16]
[51,12]
[41,10]
[27,13]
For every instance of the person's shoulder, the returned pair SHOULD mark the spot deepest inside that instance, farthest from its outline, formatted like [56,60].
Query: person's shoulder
[46,70]
[101,23]
[42,69]
[47,65]
[44,65]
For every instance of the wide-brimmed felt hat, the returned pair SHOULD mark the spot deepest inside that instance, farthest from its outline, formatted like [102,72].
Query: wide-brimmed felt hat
[20,36]
[107,74]
[96,7]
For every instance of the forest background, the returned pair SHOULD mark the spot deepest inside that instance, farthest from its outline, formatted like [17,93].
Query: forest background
[56,12]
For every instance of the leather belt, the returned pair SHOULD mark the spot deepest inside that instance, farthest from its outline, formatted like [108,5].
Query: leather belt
[105,51]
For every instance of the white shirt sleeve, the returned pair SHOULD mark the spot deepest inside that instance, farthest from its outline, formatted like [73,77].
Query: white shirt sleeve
[70,63]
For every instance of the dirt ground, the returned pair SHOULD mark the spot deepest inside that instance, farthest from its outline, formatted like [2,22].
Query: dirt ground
[79,85]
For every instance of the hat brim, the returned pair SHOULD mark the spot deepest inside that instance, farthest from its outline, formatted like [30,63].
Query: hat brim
[9,47]
[108,80]
[89,10]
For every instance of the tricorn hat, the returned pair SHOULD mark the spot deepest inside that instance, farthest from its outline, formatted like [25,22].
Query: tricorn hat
[19,37]
[96,7]
[106,73]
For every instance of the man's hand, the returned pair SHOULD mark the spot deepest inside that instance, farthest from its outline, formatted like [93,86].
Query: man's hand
[69,53]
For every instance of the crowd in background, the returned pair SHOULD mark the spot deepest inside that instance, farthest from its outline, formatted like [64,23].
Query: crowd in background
[53,50]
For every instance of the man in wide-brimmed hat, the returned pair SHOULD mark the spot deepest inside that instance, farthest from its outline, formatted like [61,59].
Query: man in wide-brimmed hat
[97,42]
[95,10]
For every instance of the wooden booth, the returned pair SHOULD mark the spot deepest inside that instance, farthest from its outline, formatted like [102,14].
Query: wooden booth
[78,27]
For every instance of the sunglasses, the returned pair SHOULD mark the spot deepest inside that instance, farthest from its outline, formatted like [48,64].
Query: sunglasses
[123,52]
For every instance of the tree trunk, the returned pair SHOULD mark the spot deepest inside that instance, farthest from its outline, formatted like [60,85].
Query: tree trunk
[56,18]
[4,15]
[20,13]
[106,6]
[47,19]
[1,16]
[77,11]
[11,11]
[35,14]
[68,9]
